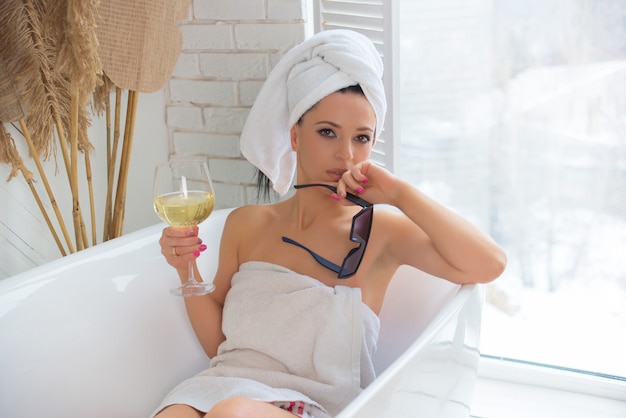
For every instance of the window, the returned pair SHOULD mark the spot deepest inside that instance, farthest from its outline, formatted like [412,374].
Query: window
[514,114]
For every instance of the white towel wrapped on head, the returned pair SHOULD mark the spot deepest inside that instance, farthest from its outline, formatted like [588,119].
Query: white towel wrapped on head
[310,71]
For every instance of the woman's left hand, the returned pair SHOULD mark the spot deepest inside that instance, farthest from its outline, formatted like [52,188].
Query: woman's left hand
[374,183]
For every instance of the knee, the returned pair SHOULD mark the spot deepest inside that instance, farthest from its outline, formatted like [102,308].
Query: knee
[236,407]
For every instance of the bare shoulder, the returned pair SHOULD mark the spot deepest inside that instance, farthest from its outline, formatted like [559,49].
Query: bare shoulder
[250,216]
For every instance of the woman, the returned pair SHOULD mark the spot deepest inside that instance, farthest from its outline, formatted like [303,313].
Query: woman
[291,328]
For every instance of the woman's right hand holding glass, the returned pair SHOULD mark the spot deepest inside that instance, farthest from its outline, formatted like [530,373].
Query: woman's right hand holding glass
[179,246]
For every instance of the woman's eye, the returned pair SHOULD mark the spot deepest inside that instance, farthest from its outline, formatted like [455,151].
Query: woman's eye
[363,139]
[326,132]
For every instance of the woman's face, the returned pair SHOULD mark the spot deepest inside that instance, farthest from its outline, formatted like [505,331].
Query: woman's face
[333,135]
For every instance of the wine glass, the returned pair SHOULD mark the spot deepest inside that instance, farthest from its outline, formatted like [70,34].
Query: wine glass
[183,197]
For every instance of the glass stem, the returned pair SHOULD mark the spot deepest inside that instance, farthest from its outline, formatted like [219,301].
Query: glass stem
[191,277]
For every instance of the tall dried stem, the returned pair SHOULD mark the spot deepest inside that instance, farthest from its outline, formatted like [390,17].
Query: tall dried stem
[53,202]
[122,178]
[73,24]
[109,229]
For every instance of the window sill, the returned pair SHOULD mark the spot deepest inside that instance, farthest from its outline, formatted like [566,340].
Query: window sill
[518,390]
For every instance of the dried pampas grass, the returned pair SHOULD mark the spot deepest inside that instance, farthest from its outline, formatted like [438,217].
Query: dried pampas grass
[51,71]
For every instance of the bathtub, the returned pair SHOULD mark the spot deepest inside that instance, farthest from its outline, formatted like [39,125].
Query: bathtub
[97,334]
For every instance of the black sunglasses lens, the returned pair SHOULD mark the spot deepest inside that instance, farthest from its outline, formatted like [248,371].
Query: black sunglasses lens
[352,261]
[362,225]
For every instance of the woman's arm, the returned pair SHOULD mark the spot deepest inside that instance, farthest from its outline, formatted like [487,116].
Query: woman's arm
[204,312]
[430,236]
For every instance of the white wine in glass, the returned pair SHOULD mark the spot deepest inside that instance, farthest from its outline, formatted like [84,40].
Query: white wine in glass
[183,197]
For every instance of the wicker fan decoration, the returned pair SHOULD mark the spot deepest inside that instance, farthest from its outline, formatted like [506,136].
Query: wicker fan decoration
[61,60]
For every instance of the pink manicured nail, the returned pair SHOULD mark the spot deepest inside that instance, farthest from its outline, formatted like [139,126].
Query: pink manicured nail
[196,253]
[335,197]
[202,247]
[360,190]
[364,181]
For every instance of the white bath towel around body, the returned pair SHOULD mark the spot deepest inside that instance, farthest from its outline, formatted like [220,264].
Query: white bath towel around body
[288,338]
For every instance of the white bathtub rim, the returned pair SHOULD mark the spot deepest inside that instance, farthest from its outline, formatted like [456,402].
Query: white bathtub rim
[449,312]
[54,267]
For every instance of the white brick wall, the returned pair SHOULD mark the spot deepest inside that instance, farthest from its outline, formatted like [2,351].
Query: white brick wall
[229,47]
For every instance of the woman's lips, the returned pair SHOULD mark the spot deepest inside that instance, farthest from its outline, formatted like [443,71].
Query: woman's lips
[335,174]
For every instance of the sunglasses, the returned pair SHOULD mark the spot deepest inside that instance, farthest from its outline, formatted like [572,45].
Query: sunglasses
[359,232]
